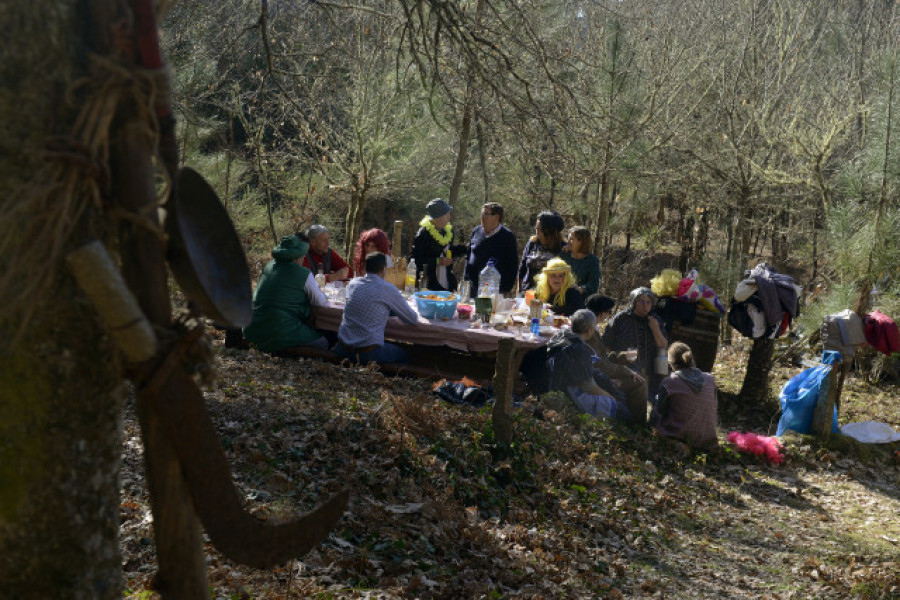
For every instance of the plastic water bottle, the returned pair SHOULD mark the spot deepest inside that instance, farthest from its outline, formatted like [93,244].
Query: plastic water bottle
[489,281]
[411,276]
[536,327]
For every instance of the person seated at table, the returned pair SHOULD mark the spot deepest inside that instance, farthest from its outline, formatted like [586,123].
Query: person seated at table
[638,327]
[585,266]
[613,364]
[321,258]
[433,248]
[556,287]
[371,301]
[572,371]
[490,240]
[371,240]
[686,407]
[545,244]
[282,300]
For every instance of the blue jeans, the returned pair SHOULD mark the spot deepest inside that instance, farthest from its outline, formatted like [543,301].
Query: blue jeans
[388,353]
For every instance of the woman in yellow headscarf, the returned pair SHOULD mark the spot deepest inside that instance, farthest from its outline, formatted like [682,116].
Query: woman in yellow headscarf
[556,286]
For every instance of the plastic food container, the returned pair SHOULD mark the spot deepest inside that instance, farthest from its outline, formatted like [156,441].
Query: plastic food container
[465,311]
[436,305]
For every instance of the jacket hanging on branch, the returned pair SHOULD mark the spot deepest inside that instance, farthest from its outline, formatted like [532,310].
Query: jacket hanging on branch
[764,303]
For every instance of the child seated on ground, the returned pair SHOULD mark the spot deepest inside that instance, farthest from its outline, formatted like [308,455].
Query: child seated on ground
[685,408]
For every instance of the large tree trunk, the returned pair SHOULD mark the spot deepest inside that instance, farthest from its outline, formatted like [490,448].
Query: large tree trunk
[60,394]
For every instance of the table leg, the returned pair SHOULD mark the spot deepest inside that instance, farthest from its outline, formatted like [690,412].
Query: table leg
[506,369]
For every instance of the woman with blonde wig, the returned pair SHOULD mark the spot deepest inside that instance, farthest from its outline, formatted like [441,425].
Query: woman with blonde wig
[556,287]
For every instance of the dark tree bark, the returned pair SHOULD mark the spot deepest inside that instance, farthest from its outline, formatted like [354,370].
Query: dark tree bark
[60,391]
[755,388]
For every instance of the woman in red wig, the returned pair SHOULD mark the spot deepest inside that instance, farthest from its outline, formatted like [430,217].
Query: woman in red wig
[371,240]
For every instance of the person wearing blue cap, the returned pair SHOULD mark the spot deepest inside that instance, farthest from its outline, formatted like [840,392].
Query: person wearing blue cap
[433,248]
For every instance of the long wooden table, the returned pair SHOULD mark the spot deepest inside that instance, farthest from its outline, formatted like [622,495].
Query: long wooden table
[465,335]
[477,353]
[481,348]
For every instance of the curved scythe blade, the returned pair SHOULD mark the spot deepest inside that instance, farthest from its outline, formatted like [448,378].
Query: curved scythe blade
[235,533]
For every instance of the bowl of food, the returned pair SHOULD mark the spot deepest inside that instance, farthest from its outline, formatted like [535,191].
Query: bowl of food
[436,305]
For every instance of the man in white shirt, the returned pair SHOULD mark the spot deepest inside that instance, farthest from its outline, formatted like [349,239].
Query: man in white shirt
[371,301]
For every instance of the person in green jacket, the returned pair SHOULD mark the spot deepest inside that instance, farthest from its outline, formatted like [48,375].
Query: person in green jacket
[282,300]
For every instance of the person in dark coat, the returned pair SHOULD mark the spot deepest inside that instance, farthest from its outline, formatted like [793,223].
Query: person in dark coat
[433,248]
[638,327]
[613,364]
[572,371]
[546,243]
[490,240]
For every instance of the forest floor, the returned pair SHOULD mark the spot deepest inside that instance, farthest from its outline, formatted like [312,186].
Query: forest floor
[577,508]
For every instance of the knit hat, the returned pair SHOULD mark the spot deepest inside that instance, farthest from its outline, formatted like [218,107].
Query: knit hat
[290,248]
[437,208]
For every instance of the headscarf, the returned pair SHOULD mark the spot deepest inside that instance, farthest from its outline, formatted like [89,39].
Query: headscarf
[290,248]
[542,289]
[637,293]
[377,237]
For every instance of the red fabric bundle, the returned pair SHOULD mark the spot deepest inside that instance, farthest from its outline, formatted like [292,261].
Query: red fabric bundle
[752,443]
[881,332]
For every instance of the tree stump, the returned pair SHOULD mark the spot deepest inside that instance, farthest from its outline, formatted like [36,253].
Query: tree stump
[755,388]
[828,394]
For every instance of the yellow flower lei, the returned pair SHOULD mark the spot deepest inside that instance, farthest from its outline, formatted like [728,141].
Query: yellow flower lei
[444,239]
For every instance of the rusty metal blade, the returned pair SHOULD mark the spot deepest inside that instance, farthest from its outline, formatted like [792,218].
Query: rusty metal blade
[237,534]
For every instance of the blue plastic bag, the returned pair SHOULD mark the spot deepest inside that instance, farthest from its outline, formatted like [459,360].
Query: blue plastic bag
[799,396]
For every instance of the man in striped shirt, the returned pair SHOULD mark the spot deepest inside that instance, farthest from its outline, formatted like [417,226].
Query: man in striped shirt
[371,301]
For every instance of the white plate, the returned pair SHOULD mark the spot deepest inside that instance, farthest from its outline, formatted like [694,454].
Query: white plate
[546,330]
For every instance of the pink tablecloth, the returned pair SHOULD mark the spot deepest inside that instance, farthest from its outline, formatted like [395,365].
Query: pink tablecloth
[455,333]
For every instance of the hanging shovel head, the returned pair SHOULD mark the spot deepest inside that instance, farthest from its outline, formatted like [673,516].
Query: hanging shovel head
[205,253]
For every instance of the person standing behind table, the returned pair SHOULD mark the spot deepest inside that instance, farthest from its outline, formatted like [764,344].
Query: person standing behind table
[637,327]
[322,259]
[545,244]
[686,407]
[433,248]
[572,371]
[556,287]
[613,364]
[490,240]
[370,303]
[371,240]
[585,266]
[282,300]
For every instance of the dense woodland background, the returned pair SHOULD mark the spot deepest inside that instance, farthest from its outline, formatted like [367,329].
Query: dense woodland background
[708,134]
[735,130]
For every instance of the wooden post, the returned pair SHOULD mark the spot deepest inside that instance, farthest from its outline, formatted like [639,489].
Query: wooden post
[503,384]
[179,539]
[396,245]
[828,395]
